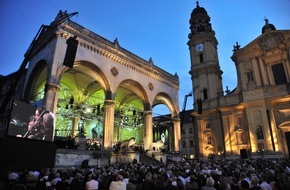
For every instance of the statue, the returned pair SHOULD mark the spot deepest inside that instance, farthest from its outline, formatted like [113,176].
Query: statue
[125,144]
[97,131]
[157,146]
[162,137]
[259,133]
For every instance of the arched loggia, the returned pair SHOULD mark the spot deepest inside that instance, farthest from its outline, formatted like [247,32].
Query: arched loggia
[170,126]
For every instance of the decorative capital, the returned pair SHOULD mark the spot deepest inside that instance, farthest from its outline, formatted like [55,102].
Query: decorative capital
[52,87]
[145,113]
[109,103]
[175,119]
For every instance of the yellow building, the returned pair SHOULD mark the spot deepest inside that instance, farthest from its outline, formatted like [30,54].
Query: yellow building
[251,121]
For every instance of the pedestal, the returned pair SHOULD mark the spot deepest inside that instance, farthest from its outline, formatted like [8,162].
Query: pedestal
[80,142]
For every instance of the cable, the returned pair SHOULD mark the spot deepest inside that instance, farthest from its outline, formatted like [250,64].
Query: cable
[53,5]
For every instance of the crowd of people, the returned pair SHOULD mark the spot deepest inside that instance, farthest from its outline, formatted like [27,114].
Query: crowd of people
[241,174]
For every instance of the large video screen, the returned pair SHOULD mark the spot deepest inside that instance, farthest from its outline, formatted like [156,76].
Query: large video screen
[28,121]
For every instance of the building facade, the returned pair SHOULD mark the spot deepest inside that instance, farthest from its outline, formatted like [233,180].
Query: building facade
[6,83]
[251,121]
[93,84]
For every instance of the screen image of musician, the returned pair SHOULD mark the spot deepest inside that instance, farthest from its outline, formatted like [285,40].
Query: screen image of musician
[40,125]
[31,123]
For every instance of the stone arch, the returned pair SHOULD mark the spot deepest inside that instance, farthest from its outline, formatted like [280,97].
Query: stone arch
[95,72]
[285,126]
[131,103]
[164,98]
[36,78]
[208,142]
[168,130]
[83,91]
[128,90]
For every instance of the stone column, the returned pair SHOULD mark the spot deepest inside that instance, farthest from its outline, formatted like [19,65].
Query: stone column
[258,75]
[148,129]
[75,127]
[51,96]
[286,65]
[51,92]
[108,140]
[263,72]
[177,134]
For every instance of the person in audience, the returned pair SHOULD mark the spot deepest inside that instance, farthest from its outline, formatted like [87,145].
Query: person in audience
[92,183]
[209,185]
[160,176]
[264,183]
[118,183]
[192,184]
[56,179]
[255,183]
[77,182]
[243,176]
[244,185]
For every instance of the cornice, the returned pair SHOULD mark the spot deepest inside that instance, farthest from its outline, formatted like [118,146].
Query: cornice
[97,44]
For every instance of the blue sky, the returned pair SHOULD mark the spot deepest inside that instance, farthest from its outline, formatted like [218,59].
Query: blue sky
[151,28]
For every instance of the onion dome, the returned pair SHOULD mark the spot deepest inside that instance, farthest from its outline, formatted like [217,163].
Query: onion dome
[198,10]
[267,26]
[199,21]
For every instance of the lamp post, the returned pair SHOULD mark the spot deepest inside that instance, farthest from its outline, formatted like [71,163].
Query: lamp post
[187,142]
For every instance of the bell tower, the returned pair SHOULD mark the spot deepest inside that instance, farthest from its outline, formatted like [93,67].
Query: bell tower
[205,71]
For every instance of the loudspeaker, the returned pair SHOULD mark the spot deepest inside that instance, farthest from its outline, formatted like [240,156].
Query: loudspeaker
[85,164]
[70,54]
[243,153]
[199,106]
[22,153]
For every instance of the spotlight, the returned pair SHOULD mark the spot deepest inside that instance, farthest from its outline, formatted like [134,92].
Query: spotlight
[71,100]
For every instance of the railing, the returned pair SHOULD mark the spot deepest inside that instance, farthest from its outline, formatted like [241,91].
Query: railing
[63,132]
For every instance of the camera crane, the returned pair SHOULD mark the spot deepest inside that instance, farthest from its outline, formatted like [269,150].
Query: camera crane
[184,106]
[183,109]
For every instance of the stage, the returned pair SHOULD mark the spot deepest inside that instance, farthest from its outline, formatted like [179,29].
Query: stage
[20,153]
[82,158]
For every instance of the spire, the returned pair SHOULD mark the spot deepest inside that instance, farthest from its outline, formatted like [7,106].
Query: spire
[199,21]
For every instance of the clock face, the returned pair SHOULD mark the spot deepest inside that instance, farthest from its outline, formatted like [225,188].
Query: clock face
[199,47]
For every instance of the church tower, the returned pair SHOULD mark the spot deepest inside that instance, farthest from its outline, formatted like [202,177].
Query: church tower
[206,77]
[205,69]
